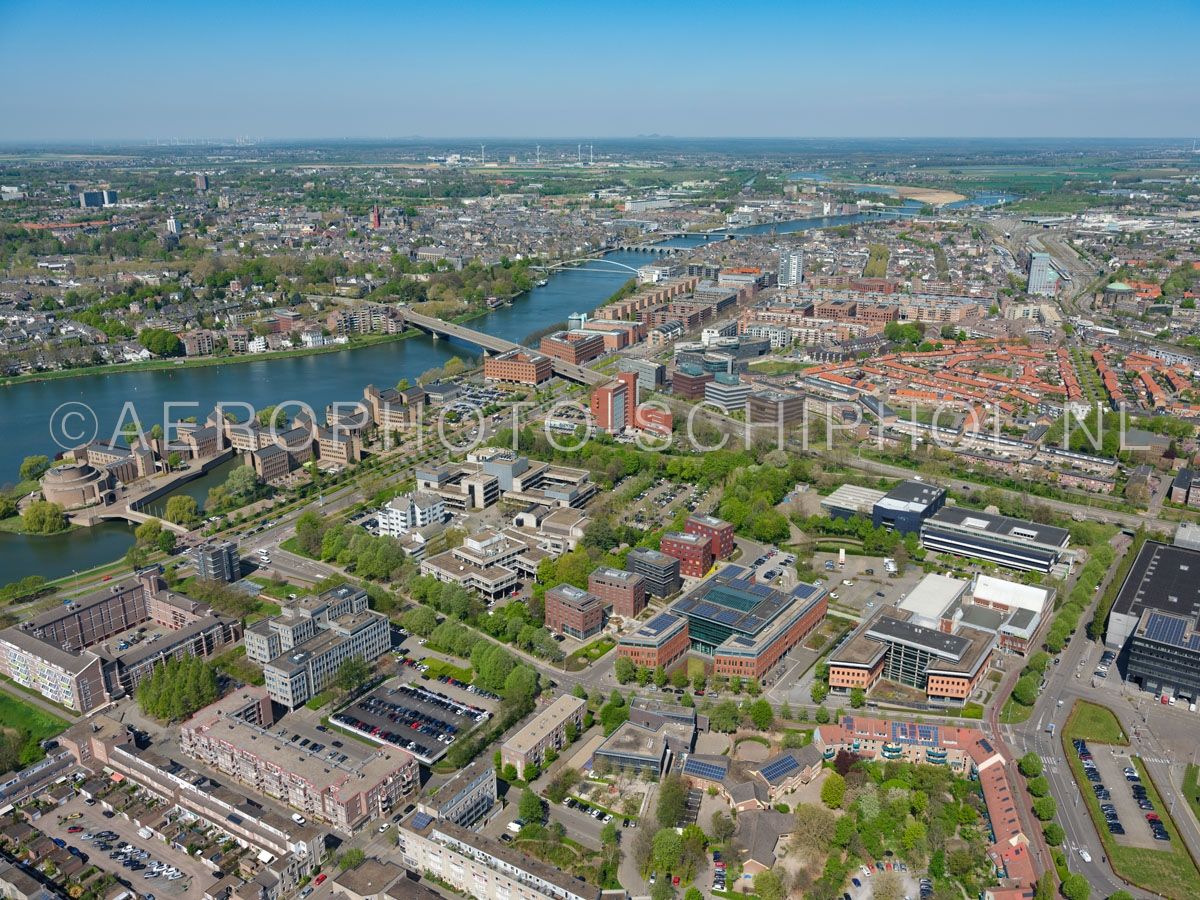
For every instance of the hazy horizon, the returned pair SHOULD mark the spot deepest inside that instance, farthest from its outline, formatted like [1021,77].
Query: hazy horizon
[137,71]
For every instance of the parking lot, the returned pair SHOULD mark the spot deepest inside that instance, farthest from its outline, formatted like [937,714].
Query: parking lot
[774,567]
[423,715]
[194,874]
[1110,763]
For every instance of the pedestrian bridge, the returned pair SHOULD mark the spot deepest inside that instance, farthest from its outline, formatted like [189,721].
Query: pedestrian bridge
[492,344]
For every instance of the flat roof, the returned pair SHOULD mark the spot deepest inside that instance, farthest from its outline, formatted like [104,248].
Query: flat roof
[991,525]
[1162,577]
[631,739]
[853,497]
[1010,594]
[544,722]
[932,596]
[912,496]
[654,631]
[887,627]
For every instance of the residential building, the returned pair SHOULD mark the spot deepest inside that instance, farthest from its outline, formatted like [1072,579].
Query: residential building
[660,571]
[218,561]
[791,268]
[467,797]
[234,736]
[402,514]
[573,612]
[624,592]
[547,731]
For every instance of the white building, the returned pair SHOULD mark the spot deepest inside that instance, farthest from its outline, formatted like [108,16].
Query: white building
[401,515]
[791,268]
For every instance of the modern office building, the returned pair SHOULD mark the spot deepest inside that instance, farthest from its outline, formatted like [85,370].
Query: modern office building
[662,641]
[547,731]
[218,561]
[728,392]
[634,748]
[63,655]
[482,867]
[1043,277]
[1014,543]
[574,612]
[771,407]
[791,268]
[745,627]
[623,592]
[694,552]
[612,405]
[467,797]
[574,347]
[689,382]
[718,532]
[302,648]
[518,366]
[235,736]
[894,646]
[403,514]
[906,506]
[850,500]
[651,375]
[660,570]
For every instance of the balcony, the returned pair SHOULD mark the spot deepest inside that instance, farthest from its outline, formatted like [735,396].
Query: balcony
[891,751]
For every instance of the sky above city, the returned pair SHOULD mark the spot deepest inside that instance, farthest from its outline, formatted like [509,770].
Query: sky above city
[117,70]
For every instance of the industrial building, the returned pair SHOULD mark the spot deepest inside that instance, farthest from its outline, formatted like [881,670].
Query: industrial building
[1014,543]
[906,506]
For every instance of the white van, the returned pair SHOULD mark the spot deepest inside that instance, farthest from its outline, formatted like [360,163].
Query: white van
[299,819]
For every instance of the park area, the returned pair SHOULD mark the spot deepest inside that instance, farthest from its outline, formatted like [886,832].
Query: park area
[23,728]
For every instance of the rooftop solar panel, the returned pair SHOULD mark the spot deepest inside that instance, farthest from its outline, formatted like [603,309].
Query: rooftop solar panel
[780,768]
[420,820]
[701,769]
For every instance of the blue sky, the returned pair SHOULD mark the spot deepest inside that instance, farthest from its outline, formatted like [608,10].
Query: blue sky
[113,69]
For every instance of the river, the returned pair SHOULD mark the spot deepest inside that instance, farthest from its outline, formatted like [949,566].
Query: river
[317,380]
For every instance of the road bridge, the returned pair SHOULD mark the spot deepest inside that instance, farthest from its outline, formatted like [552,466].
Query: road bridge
[493,344]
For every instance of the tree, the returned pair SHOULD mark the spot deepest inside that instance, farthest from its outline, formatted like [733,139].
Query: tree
[822,716]
[182,510]
[166,542]
[609,835]
[177,688]
[769,886]
[672,801]
[1054,833]
[1076,887]
[1039,786]
[833,791]
[1045,808]
[148,533]
[693,893]
[762,715]
[725,717]
[33,467]
[1025,691]
[173,460]
[41,517]
[1030,765]
[819,691]
[624,669]
[352,674]
[660,676]
[858,699]
[723,827]
[242,483]
[161,342]
[668,849]
[420,620]
[530,807]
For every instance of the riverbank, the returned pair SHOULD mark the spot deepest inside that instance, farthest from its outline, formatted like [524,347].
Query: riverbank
[199,362]
[931,196]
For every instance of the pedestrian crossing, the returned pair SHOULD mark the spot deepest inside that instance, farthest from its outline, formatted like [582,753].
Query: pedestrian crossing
[1158,760]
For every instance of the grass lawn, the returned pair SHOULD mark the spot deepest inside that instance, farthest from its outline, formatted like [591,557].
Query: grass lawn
[1093,722]
[1191,789]
[438,667]
[320,700]
[234,664]
[35,724]
[780,367]
[589,653]
[278,590]
[972,711]
[1013,713]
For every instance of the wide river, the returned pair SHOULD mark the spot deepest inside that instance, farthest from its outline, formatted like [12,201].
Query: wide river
[316,380]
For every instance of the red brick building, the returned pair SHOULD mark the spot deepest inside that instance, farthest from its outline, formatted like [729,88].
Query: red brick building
[662,641]
[574,347]
[653,419]
[718,532]
[693,551]
[624,591]
[688,382]
[572,611]
[520,366]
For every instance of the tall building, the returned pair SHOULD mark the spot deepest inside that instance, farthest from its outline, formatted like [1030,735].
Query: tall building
[202,182]
[173,226]
[791,268]
[375,220]
[609,403]
[91,199]
[660,571]
[218,561]
[1043,277]
[400,515]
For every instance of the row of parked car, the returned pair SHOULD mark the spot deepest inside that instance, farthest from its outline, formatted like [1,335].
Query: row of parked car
[132,858]
[1146,805]
[1109,811]
[440,700]
[469,688]
[589,810]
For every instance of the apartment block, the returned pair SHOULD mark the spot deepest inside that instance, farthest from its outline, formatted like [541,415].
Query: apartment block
[547,731]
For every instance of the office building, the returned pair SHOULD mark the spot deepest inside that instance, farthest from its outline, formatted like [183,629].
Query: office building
[612,405]
[573,612]
[728,392]
[771,407]
[218,561]
[896,647]
[689,382]
[718,532]
[235,736]
[634,748]
[1043,276]
[623,592]
[745,627]
[406,513]
[482,867]
[547,731]
[651,375]
[660,570]
[791,268]
[519,367]
[693,551]
[1014,543]
[662,641]
[302,648]
[63,654]
[906,506]
[850,500]
[575,347]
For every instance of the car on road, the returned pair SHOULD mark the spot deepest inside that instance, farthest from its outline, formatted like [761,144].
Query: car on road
[320,879]
[1084,855]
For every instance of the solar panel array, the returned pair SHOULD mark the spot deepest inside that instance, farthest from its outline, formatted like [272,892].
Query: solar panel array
[780,768]
[659,623]
[909,733]
[986,745]
[1172,630]
[420,820]
[702,769]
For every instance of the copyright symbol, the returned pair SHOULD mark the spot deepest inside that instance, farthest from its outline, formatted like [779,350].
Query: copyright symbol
[72,424]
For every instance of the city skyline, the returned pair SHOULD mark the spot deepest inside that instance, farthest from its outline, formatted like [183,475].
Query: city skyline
[368,71]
